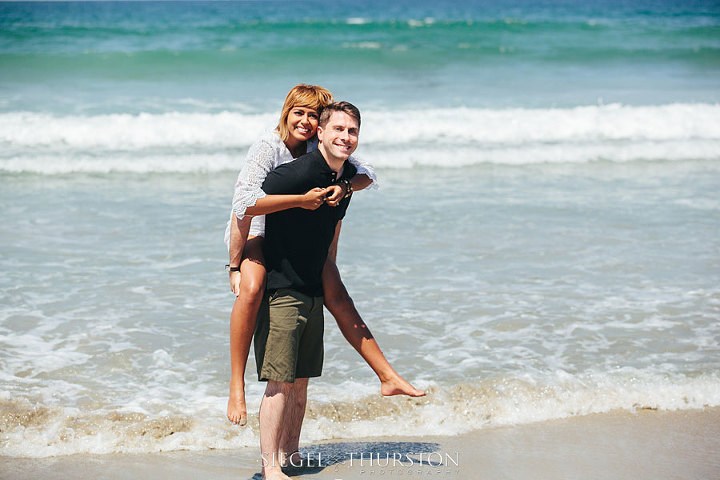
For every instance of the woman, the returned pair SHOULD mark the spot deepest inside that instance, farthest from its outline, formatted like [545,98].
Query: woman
[294,136]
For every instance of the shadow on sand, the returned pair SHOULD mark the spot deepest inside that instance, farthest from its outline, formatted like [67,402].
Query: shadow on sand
[323,455]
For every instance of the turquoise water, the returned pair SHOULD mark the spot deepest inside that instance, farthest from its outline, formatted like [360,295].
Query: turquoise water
[154,55]
[544,242]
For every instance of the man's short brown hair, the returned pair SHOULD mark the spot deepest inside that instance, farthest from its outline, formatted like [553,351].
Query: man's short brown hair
[345,107]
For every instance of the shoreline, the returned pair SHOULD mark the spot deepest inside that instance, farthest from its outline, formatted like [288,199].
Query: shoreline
[616,445]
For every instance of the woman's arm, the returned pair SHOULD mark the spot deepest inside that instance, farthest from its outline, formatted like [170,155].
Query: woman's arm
[365,175]
[249,197]
[260,159]
[358,182]
[275,203]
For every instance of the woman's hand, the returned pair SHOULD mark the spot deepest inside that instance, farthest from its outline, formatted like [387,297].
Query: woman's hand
[313,199]
[235,283]
[337,192]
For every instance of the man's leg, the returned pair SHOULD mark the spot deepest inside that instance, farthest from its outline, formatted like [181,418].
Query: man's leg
[272,418]
[294,415]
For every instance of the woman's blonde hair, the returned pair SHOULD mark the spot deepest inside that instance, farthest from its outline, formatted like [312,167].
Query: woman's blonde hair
[308,96]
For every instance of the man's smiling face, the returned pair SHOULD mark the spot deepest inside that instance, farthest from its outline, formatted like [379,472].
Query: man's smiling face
[339,137]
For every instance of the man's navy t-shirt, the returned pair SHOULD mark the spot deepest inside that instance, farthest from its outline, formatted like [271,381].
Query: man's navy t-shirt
[297,240]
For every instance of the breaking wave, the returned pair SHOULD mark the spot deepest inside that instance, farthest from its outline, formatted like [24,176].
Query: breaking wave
[451,137]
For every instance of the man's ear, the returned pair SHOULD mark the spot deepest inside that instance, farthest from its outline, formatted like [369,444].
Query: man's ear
[319,133]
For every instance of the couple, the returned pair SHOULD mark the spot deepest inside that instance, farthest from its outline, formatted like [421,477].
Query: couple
[282,267]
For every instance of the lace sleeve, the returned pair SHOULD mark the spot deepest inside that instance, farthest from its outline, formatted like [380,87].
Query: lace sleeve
[364,168]
[248,188]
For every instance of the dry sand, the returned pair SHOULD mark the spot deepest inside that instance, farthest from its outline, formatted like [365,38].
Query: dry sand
[645,445]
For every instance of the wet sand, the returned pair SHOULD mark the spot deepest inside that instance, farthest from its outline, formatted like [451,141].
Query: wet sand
[644,445]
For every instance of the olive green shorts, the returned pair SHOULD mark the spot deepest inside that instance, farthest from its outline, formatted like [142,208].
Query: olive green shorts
[289,336]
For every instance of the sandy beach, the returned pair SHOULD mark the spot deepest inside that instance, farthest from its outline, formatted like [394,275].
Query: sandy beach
[644,445]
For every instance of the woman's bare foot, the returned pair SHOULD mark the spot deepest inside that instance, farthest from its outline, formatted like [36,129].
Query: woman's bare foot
[399,386]
[236,409]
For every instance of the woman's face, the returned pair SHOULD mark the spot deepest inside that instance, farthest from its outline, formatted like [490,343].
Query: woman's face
[302,123]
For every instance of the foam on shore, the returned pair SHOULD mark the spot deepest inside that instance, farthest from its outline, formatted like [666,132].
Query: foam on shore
[613,446]
[40,430]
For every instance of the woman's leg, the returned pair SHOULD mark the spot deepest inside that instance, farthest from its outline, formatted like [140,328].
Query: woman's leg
[341,306]
[242,324]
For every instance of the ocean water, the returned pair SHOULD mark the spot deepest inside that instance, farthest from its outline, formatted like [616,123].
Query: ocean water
[545,241]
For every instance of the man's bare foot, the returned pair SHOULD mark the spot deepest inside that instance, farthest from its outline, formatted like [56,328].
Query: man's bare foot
[274,474]
[399,386]
[236,409]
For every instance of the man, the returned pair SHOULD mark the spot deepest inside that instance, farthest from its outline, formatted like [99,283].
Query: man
[288,336]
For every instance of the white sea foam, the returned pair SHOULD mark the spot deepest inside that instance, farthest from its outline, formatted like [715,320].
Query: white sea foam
[127,132]
[358,21]
[39,430]
[452,137]
[363,45]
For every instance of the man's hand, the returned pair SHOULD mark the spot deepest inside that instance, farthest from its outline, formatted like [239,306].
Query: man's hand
[235,283]
[337,192]
[313,199]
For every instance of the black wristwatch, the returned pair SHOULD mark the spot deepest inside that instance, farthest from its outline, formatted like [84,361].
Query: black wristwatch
[228,268]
